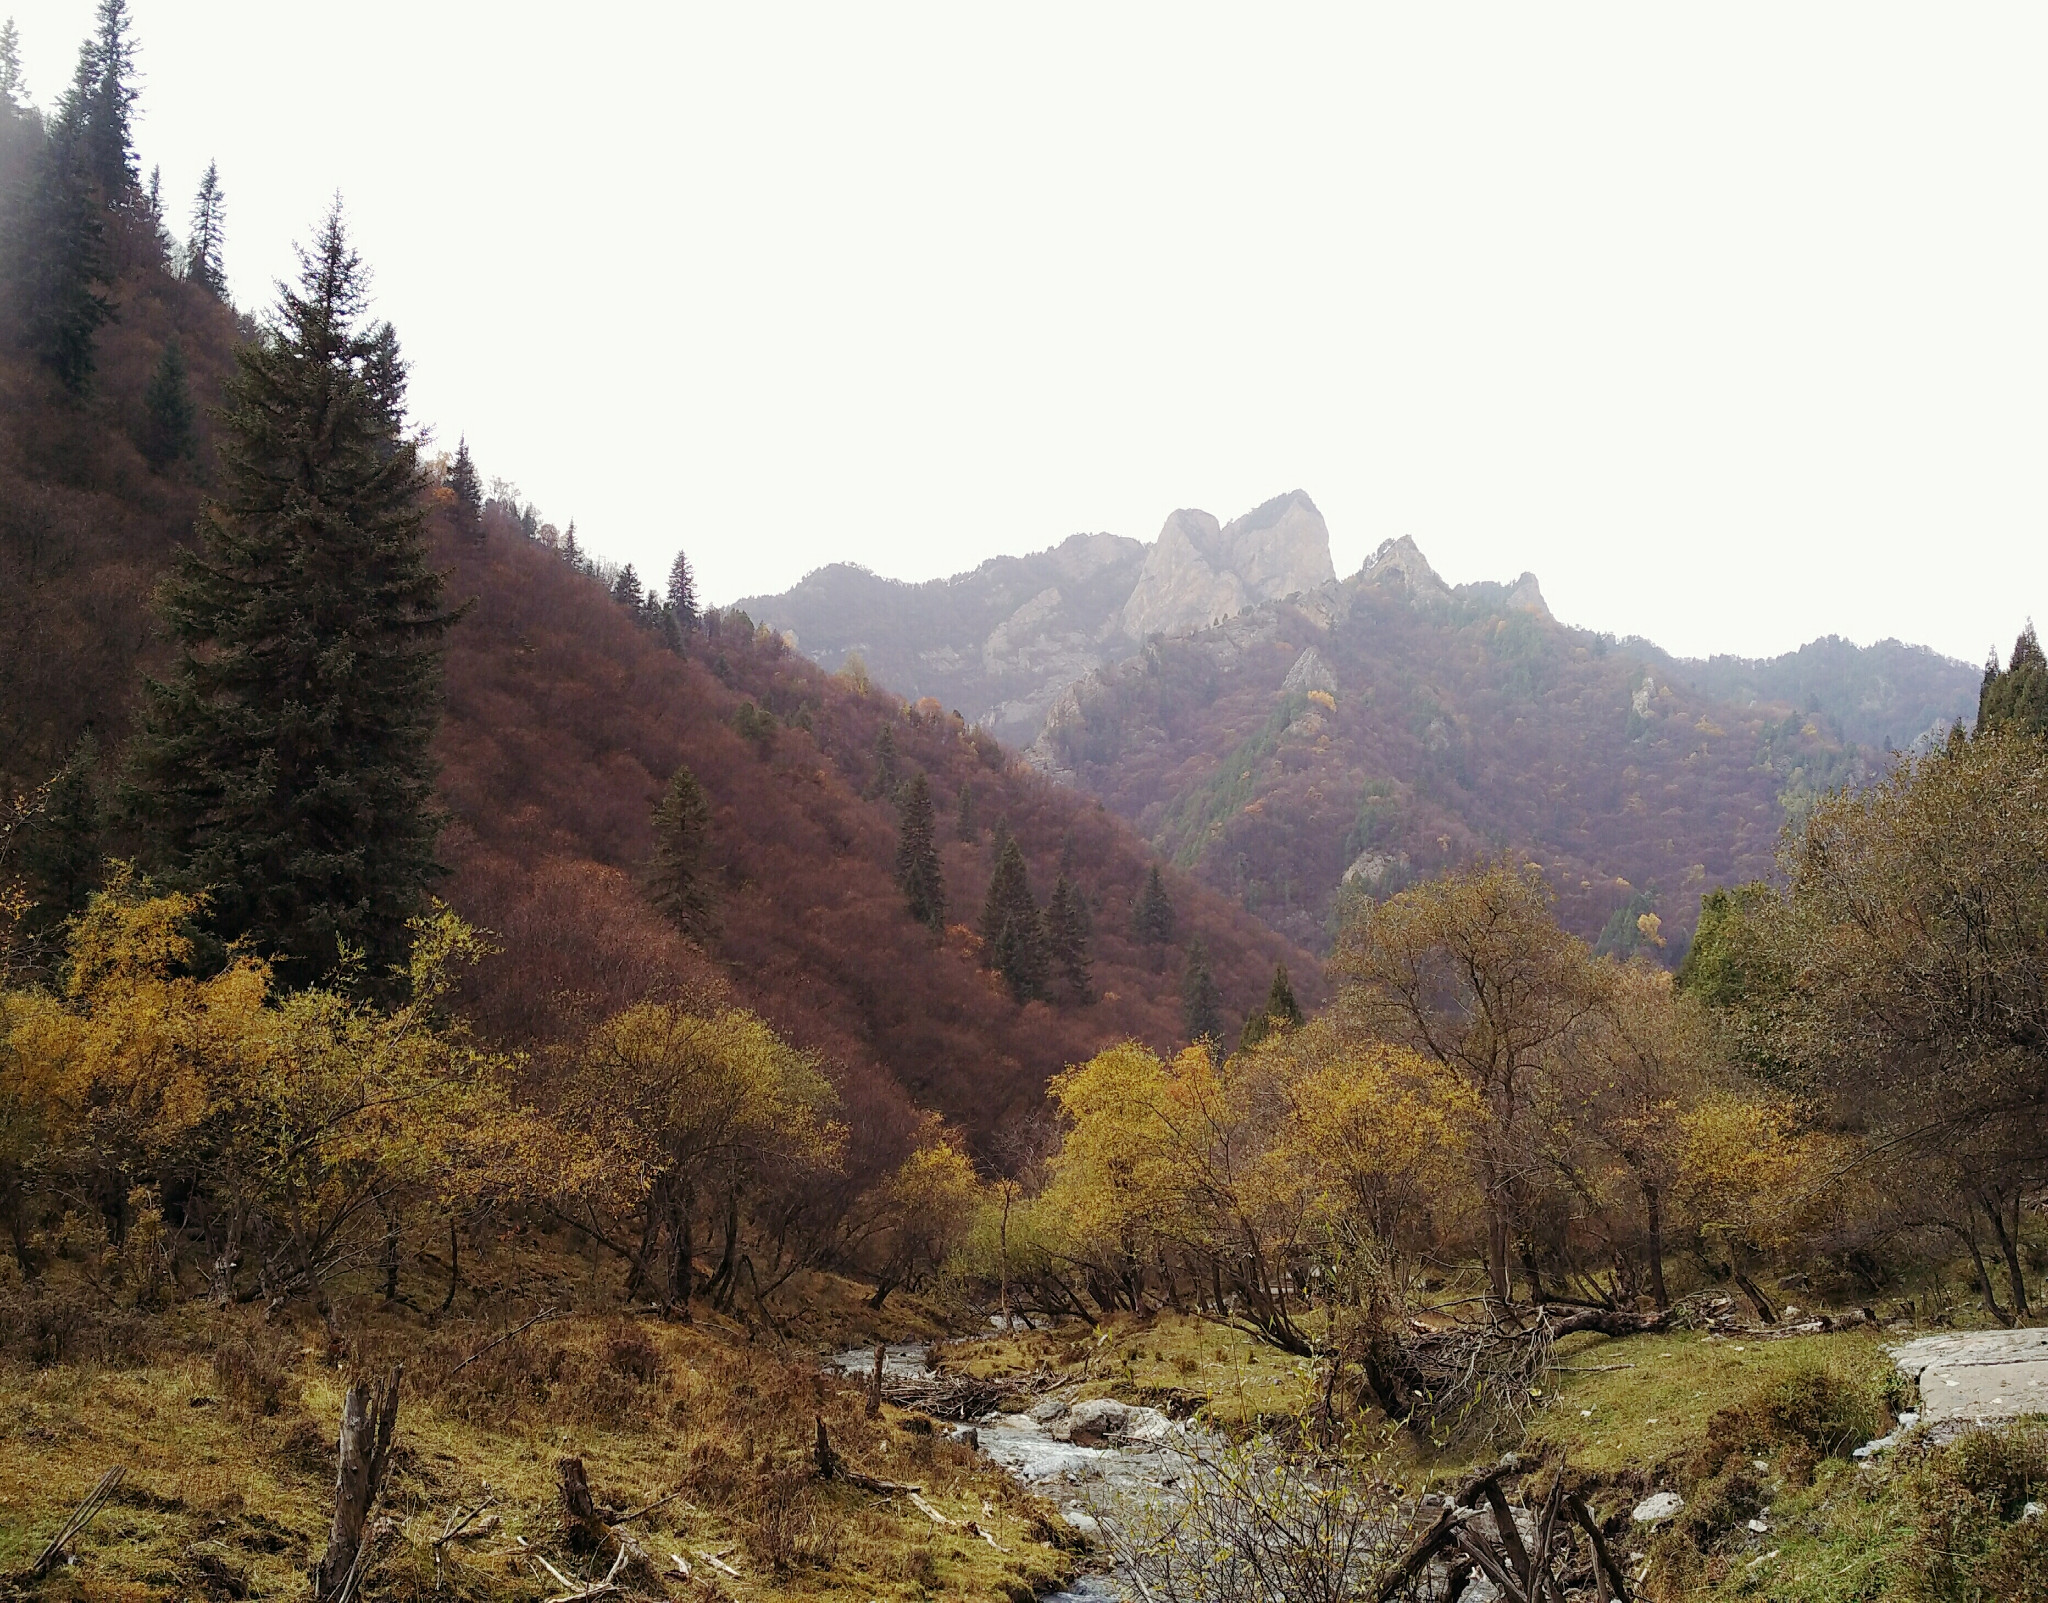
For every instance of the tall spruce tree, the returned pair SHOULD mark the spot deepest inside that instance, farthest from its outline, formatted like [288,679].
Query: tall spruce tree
[285,767]
[62,267]
[964,824]
[1281,1011]
[887,778]
[206,242]
[13,86]
[1066,938]
[1201,1004]
[1152,917]
[682,594]
[917,856]
[626,588]
[2016,698]
[468,491]
[167,414]
[1011,929]
[682,835]
[108,132]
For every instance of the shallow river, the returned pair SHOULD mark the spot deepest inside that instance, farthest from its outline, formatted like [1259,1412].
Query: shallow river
[1082,1482]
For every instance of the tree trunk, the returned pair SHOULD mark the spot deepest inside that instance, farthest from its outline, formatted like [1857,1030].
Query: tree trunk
[720,1286]
[362,1455]
[1003,1253]
[581,1527]
[2009,1249]
[1983,1276]
[874,1407]
[221,1283]
[390,1256]
[1654,1206]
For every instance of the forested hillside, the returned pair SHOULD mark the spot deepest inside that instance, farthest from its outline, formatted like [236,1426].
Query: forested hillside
[1388,728]
[572,698]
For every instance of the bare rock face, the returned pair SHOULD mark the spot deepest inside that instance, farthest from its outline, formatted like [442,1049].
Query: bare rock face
[1198,573]
[1399,565]
[1309,672]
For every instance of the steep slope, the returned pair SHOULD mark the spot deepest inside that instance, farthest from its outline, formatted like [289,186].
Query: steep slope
[1380,729]
[566,716]
[565,720]
[1000,644]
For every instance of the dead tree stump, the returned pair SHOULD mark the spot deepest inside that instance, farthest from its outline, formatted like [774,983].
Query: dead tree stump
[362,1455]
[875,1382]
[582,1526]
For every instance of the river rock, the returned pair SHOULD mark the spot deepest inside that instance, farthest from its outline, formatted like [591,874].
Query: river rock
[1979,1377]
[1105,1422]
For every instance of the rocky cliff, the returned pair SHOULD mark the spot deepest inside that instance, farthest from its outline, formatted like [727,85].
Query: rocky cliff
[1002,643]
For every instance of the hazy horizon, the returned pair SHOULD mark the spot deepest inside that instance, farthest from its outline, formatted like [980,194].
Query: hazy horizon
[1727,326]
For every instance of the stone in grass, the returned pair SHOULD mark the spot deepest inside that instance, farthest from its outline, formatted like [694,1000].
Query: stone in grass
[1657,1507]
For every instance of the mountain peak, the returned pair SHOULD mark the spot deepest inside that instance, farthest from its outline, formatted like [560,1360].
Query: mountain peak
[1197,572]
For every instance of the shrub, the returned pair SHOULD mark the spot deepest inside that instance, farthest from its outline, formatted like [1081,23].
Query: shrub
[1811,1413]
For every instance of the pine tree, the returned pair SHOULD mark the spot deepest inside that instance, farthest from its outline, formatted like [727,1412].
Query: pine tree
[167,411]
[108,130]
[2017,698]
[468,491]
[1152,917]
[1201,1004]
[62,267]
[682,593]
[963,821]
[1281,1012]
[384,378]
[887,779]
[1066,937]
[203,246]
[682,833]
[13,86]
[153,216]
[1010,926]
[626,588]
[917,857]
[285,767]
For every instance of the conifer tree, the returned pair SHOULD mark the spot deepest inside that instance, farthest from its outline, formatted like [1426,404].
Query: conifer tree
[203,246]
[285,767]
[2017,698]
[917,857]
[384,377]
[1011,929]
[153,216]
[1066,935]
[626,588]
[682,833]
[887,779]
[1152,917]
[682,594]
[108,130]
[13,86]
[964,824]
[1201,1004]
[1281,1011]
[999,840]
[467,488]
[62,267]
[167,410]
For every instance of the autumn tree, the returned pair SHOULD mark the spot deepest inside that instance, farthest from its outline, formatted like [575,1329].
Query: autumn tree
[682,835]
[685,1115]
[1473,971]
[285,768]
[1152,916]
[917,856]
[917,1215]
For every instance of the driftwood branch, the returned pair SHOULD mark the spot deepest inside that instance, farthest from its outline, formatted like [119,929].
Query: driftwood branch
[649,1508]
[499,1341]
[81,1517]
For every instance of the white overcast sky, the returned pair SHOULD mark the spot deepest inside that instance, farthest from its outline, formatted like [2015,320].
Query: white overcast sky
[1726,320]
